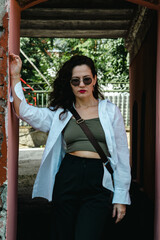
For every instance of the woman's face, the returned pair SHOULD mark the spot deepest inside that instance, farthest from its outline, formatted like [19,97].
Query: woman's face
[83,72]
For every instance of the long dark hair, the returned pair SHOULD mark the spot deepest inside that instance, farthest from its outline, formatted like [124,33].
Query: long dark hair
[62,95]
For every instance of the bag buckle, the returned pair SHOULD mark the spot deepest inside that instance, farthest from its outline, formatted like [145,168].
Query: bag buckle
[106,163]
[79,121]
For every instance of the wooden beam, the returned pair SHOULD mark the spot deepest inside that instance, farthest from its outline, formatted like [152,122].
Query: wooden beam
[24,4]
[146,4]
[75,24]
[94,4]
[74,13]
[138,30]
[73,33]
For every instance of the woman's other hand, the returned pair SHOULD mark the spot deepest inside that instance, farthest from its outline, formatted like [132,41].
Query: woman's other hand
[119,211]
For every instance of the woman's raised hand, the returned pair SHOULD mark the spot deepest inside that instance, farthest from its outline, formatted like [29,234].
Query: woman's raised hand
[15,66]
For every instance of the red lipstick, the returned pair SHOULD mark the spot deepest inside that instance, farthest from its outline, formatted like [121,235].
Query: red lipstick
[82,91]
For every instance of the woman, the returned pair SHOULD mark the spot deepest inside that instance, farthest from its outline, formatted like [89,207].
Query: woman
[71,173]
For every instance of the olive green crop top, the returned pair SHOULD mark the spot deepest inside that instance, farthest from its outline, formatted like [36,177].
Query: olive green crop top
[76,140]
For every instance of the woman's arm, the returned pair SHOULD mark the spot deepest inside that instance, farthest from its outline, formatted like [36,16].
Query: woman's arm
[122,174]
[38,118]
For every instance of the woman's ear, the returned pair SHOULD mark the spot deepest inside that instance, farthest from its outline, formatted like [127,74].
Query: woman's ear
[94,80]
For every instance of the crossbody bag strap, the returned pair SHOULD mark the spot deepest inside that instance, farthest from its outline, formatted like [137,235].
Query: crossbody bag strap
[92,139]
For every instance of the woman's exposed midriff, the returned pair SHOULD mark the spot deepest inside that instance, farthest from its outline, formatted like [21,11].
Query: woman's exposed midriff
[85,154]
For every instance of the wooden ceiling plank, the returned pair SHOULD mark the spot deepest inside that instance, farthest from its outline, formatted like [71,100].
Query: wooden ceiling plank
[38,13]
[73,33]
[75,24]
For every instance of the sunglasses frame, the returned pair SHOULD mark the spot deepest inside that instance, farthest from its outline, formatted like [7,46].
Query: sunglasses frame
[80,81]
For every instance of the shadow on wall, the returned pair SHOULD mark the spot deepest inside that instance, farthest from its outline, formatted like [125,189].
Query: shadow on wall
[134,139]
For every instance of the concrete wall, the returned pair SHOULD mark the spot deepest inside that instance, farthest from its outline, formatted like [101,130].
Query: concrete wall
[143,112]
[31,138]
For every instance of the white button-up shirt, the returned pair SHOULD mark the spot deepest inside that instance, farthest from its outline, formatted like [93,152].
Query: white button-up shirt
[112,123]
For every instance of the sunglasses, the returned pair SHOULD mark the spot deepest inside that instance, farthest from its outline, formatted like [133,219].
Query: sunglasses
[76,81]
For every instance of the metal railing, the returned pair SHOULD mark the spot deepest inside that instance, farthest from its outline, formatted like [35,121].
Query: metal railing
[121,99]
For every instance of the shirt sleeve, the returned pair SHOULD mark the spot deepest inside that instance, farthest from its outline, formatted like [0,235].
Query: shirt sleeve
[122,172]
[38,118]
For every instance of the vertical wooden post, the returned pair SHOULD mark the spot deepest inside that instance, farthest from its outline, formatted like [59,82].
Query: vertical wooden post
[157,163]
[13,129]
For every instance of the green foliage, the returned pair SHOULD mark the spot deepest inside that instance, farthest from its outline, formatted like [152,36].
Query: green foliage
[48,54]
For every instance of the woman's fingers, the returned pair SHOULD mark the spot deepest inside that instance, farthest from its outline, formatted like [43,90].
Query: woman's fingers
[114,211]
[120,211]
[15,64]
[13,57]
[120,216]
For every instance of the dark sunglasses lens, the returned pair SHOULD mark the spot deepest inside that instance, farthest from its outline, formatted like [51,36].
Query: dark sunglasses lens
[75,81]
[87,80]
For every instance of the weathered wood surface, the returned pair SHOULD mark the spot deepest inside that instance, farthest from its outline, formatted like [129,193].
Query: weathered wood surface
[76,13]
[75,25]
[73,33]
[74,22]
[138,30]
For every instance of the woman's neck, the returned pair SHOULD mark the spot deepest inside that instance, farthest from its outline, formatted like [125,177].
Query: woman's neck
[85,103]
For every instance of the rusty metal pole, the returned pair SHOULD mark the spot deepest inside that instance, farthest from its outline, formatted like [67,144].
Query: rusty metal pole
[13,128]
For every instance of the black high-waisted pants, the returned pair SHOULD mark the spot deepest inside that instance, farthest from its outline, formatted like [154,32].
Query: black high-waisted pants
[82,206]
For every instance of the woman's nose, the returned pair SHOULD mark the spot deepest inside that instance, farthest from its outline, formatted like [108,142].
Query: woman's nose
[81,83]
